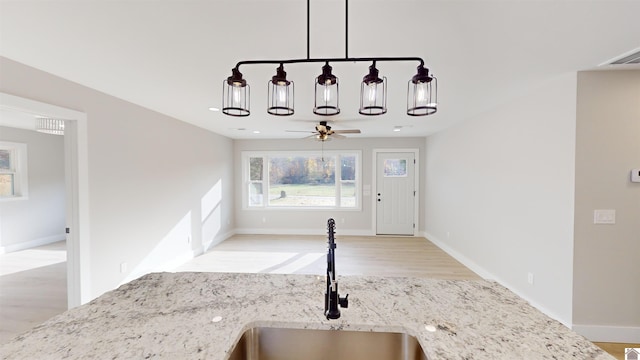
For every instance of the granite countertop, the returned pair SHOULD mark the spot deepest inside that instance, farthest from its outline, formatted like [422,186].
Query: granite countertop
[170,315]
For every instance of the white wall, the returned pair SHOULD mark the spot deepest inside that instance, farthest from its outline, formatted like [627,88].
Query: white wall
[40,218]
[314,221]
[499,194]
[606,288]
[157,185]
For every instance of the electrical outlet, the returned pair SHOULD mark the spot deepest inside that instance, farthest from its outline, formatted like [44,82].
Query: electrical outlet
[188,239]
[604,216]
[264,219]
[448,234]
[530,278]
[123,267]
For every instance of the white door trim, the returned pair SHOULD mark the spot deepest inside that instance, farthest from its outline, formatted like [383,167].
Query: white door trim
[77,185]
[416,203]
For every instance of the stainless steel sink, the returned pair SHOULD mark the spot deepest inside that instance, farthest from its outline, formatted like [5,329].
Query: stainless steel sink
[265,343]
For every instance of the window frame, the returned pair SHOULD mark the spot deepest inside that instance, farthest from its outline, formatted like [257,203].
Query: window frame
[19,170]
[267,155]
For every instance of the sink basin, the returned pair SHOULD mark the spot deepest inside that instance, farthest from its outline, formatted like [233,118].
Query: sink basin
[265,343]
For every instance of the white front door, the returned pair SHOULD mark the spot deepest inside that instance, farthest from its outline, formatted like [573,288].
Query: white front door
[395,193]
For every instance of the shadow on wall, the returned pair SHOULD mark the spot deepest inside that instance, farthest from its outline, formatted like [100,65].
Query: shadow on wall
[177,247]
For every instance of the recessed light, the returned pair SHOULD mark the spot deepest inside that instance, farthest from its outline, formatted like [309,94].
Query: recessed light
[256,131]
[214,109]
[397,128]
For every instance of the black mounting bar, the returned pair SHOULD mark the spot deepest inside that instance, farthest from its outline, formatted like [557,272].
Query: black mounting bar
[326,60]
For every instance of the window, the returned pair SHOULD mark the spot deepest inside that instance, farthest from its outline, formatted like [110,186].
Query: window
[13,170]
[302,179]
[255,181]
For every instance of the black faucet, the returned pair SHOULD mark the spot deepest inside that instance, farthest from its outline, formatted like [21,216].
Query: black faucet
[331,298]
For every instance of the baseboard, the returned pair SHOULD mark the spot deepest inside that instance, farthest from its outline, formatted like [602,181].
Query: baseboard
[186,256]
[177,261]
[461,258]
[32,243]
[318,231]
[168,266]
[487,275]
[217,240]
[618,334]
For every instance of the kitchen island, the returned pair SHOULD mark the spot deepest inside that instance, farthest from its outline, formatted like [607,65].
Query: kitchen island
[202,316]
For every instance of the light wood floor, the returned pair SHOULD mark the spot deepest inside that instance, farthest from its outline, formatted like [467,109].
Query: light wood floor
[29,297]
[33,288]
[355,255]
[616,349]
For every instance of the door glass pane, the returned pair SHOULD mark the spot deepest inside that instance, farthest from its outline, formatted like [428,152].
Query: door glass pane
[395,167]
[6,185]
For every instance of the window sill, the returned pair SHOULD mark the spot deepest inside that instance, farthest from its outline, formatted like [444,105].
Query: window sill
[292,208]
[13,198]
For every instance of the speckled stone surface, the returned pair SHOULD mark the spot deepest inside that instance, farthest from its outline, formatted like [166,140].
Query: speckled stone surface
[169,316]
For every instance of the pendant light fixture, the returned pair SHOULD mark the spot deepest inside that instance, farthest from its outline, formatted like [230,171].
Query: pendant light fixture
[235,95]
[422,91]
[373,93]
[280,94]
[326,93]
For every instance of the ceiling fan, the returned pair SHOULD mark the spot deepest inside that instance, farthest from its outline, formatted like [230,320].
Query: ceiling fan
[324,132]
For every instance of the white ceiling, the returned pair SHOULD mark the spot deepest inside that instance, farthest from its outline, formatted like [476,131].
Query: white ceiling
[172,56]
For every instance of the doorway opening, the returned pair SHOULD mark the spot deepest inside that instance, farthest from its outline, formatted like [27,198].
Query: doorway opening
[76,190]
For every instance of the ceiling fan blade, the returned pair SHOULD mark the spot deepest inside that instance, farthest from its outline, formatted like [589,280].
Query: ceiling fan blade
[302,131]
[353,131]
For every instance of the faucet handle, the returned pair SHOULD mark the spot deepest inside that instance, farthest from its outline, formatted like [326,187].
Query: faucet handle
[344,302]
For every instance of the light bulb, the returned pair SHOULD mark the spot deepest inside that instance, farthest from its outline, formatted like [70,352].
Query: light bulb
[281,92]
[372,92]
[235,96]
[421,93]
[327,94]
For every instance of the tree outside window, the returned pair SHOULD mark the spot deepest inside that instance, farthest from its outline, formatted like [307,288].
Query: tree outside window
[303,180]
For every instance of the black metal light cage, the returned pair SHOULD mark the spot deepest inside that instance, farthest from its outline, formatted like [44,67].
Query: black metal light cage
[421,92]
[280,94]
[327,93]
[235,95]
[373,93]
